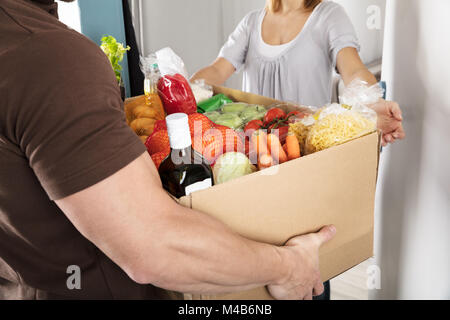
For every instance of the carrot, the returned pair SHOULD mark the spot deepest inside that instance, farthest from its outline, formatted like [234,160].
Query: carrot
[265,161]
[284,148]
[293,147]
[276,150]
[259,143]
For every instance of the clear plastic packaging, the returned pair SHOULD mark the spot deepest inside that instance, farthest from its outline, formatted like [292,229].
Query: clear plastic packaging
[170,63]
[202,91]
[237,114]
[339,123]
[173,87]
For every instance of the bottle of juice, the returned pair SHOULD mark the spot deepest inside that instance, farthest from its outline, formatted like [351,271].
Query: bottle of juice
[152,99]
[184,171]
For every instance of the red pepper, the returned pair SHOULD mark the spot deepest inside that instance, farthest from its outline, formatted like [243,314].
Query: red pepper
[176,94]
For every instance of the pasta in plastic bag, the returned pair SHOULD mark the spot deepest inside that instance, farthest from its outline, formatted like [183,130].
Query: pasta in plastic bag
[340,123]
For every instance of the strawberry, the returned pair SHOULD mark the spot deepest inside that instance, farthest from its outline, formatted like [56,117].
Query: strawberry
[158,142]
[159,157]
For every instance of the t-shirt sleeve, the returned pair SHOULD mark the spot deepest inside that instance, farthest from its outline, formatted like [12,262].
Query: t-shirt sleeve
[341,32]
[236,47]
[71,124]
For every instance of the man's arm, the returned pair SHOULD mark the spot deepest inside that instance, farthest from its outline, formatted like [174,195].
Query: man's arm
[390,118]
[155,241]
[216,73]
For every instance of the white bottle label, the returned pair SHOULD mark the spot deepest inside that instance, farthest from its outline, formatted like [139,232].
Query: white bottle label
[201,185]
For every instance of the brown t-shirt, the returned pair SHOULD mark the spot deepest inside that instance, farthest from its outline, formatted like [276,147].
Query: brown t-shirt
[62,130]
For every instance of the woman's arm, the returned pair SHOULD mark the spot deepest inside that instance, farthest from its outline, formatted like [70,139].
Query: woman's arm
[390,118]
[216,73]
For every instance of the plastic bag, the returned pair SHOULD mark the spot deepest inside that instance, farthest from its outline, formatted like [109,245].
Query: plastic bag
[173,87]
[236,115]
[202,91]
[170,63]
[339,123]
[360,96]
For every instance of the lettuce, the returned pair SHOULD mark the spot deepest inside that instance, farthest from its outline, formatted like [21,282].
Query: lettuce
[115,52]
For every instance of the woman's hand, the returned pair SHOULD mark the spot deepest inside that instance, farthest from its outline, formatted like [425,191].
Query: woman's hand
[389,121]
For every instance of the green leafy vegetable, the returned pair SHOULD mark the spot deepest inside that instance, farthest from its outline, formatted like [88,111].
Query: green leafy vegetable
[115,52]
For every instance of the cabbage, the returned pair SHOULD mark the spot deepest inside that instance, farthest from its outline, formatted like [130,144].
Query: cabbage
[232,165]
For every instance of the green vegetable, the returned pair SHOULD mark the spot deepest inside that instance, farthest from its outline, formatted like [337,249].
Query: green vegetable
[230,120]
[213,116]
[234,108]
[115,52]
[213,103]
[232,165]
[253,113]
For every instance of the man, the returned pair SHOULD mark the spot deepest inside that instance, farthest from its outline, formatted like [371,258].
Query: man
[78,190]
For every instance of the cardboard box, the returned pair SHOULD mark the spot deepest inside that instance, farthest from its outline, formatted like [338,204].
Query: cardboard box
[334,186]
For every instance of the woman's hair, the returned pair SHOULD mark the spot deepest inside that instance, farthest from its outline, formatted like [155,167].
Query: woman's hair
[275,5]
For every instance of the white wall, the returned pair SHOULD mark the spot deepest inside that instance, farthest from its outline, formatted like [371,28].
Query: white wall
[197,29]
[69,14]
[413,242]
[371,39]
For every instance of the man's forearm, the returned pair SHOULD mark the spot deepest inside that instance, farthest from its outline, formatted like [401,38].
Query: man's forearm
[191,241]
[154,240]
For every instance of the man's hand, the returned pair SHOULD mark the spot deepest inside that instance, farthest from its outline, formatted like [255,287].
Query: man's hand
[304,280]
[389,121]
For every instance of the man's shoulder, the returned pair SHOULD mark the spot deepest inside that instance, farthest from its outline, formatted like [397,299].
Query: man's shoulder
[21,20]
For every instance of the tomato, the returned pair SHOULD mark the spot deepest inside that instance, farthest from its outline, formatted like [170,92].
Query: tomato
[253,125]
[295,115]
[274,114]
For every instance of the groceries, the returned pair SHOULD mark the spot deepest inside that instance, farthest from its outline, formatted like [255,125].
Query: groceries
[301,129]
[202,91]
[335,126]
[142,116]
[229,134]
[209,139]
[176,94]
[235,115]
[171,80]
[184,170]
[213,104]
[152,74]
[232,165]
[266,150]
[231,120]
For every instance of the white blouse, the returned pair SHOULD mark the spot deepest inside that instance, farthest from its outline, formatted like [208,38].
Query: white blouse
[299,71]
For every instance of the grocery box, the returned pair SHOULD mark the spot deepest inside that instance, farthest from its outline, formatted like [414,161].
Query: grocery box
[334,186]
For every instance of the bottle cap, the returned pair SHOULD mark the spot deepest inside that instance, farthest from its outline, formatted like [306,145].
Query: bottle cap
[178,130]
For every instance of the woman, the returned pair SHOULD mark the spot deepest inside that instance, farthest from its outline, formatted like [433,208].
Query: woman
[289,51]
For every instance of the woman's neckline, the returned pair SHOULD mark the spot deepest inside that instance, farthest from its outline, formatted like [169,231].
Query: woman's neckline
[287,44]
